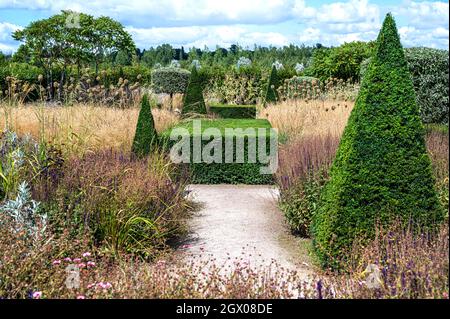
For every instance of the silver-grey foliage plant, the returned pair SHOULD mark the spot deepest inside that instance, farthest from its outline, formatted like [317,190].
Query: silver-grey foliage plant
[23,210]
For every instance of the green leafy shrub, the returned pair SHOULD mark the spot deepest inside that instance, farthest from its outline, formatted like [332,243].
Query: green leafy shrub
[145,137]
[25,72]
[302,172]
[227,173]
[111,76]
[170,80]
[382,171]
[272,86]
[229,111]
[299,203]
[429,70]
[341,62]
[243,86]
[25,77]
[193,99]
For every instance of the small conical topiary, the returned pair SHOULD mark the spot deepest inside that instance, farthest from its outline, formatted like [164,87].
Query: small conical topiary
[145,137]
[382,172]
[272,94]
[193,102]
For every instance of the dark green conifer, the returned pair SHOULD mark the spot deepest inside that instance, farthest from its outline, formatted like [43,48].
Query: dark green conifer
[193,102]
[382,171]
[145,137]
[271,93]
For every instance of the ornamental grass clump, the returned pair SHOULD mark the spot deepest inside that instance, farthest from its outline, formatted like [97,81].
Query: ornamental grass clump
[382,171]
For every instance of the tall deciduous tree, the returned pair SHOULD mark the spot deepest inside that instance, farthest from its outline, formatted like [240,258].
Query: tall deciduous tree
[72,38]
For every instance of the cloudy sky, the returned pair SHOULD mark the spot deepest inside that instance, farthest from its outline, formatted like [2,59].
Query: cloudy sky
[246,22]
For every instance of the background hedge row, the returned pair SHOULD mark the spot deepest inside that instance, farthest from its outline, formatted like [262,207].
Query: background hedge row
[233,111]
[429,69]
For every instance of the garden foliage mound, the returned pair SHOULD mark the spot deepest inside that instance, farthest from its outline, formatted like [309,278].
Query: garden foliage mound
[230,111]
[170,80]
[146,135]
[230,169]
[382,171]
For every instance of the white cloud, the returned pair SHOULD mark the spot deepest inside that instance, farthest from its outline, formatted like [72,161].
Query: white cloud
[152,13]
[353,11]
[339,22]
[223,22]
[199,36]
[425,15]
[411,36]
[301,10]
[7,44]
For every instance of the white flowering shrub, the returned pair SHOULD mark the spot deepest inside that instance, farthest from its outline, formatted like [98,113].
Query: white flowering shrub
[243,61]
[174,64]
[278,65]
[299,68]
[196,64]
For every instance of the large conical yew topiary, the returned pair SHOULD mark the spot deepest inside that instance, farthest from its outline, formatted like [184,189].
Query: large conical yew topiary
[381,172]
[145,137]
[271,93]
[193,102]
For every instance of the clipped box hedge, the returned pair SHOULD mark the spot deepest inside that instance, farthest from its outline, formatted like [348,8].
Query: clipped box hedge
[229,111]
[227,173]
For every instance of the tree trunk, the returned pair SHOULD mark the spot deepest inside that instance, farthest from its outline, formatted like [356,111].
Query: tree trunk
[61,82]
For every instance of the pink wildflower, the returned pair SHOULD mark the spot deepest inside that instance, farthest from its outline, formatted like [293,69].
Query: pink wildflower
[37,295]
[161,263]
[81,265]
[81,297]
[86,254]
[68,259]
[77,260]
[104,285]
[56,262]
[91,264]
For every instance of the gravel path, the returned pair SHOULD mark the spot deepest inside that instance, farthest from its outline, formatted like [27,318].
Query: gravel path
[242,221]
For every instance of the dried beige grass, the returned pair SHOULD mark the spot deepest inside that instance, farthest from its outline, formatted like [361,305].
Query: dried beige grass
[296,118]
[80,127]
